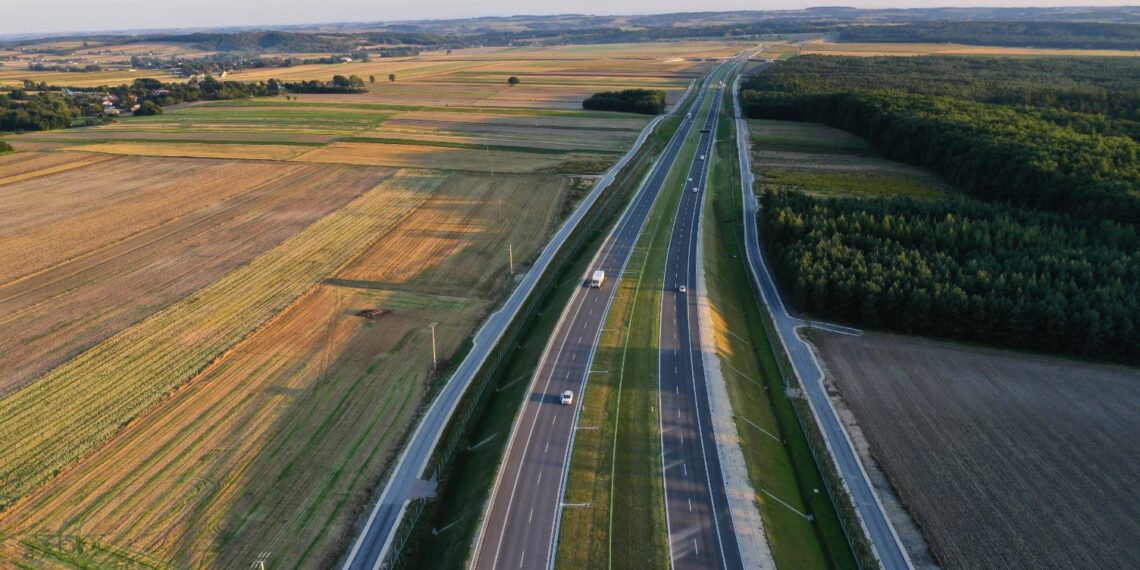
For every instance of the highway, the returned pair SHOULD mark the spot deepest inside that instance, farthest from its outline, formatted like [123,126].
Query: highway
[701,533]
[887,546]
[520,525]
[405,482]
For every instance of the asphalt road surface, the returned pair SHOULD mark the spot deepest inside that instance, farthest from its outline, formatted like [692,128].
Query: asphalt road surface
[883,537]
[521,522]
[701,534]
[406,483]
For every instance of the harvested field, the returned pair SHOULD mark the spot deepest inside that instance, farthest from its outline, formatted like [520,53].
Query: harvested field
[273,450]
[17,167]
[100,391]
[199,150]
[510,130]
[456,244]
[1004,459]
[137,254]
[70,212]
[418,156]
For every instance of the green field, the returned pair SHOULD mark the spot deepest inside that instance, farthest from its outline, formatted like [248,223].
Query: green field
[828,162]
[782,471]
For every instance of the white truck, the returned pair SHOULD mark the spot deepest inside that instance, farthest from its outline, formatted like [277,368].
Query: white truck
[598,278]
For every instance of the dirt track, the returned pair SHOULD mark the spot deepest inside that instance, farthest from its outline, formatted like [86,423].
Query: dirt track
[1005,460]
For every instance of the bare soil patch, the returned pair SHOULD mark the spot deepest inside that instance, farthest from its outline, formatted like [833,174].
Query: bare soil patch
[1004,459]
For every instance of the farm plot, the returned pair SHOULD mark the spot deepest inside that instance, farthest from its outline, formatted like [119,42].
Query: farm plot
[509,130]
[457,242]
[1003,459]
[64,214]
[438,157]
[17,167]
[273,450]
[199,150]
[277,445]
[138,254]
[824,161]
[92,396]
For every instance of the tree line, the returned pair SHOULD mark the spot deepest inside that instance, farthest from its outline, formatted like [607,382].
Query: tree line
[643,101]
[1045,256]
[1084,35]
[961,270]
[1019,155]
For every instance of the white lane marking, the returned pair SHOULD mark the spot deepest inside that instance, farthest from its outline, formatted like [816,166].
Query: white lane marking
[547,447]
[521,558]
[690,506]
[531,517]
[539,482]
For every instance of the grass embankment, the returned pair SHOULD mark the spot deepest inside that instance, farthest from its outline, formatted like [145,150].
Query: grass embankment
[616,464]
[466,487]
[780,465]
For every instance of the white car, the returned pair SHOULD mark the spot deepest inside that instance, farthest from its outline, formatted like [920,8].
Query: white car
[694,188]
[567,398]
[681,289]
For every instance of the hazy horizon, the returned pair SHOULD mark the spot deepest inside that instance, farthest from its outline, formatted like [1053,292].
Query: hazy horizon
[67,16]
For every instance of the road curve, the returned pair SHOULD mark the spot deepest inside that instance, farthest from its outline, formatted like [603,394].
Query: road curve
[372,545]
[884,540]
[520,525]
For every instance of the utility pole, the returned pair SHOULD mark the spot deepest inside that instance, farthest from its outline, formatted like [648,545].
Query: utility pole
[433,357]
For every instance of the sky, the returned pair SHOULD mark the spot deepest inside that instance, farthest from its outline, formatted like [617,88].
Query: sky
[46,16]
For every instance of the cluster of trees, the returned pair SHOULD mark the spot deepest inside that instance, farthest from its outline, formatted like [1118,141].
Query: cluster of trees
[1086,35]
[339,84]
[1045,257]
[20,111]
[1107,86]
[962,270]
[5,147]
[644,101]
[65,68]
[1020,155]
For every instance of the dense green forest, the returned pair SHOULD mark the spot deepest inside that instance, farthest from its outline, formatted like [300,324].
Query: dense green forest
[1010,153]
[960,269]
[644,101]
[1085,35]
[1045,256]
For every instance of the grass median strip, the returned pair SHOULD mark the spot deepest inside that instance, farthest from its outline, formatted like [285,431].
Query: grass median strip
[780,466]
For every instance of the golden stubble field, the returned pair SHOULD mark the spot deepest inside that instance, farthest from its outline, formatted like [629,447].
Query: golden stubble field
[185,380]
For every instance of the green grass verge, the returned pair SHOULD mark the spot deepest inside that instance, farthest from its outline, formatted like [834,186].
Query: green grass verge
[617,467]
[89,141]
[780,464]
[467,485]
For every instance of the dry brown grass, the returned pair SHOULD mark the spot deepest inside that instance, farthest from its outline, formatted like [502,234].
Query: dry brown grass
[145,248]
[1005,460]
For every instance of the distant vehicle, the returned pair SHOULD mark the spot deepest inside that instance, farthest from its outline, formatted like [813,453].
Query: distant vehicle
[681,289]
[690,115]
[702,157]
[694,188]
[567,398]
[598,278]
